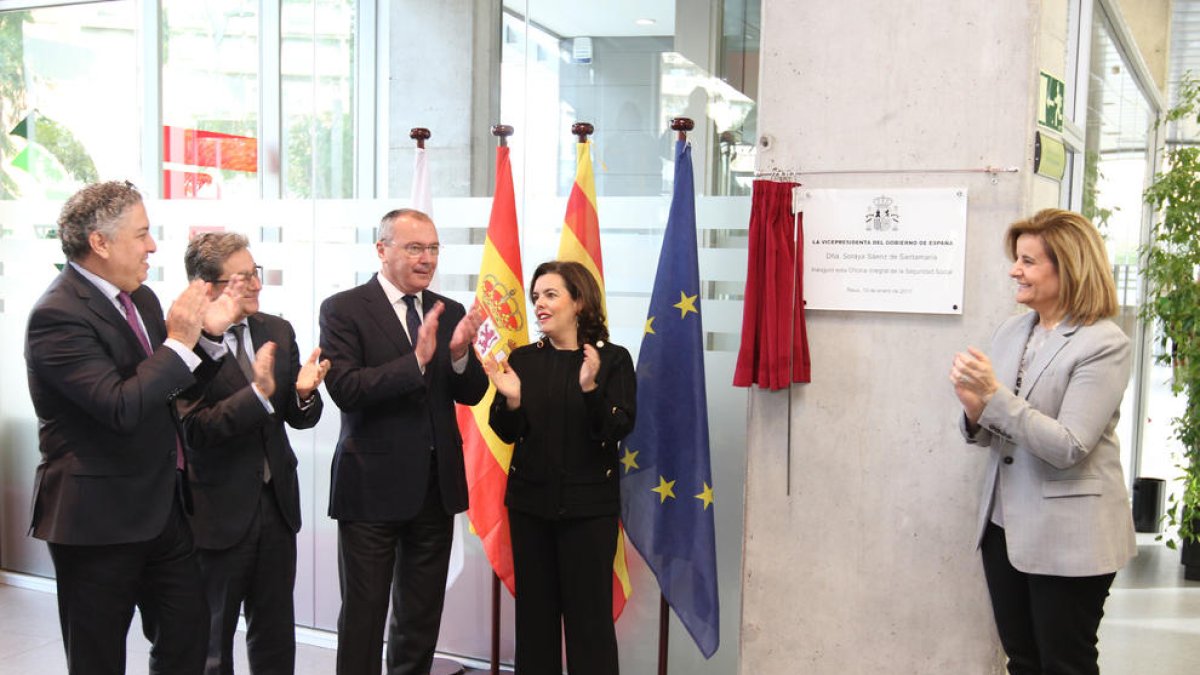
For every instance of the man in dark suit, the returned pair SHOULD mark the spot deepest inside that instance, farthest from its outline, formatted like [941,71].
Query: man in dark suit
[401,358]
[243,469]
[104,370]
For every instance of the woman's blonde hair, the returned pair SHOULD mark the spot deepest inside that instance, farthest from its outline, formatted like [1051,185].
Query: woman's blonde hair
[1086,292]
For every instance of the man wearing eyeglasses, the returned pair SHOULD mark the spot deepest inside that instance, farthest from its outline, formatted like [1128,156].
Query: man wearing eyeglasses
[109,496]
[242,467]
[401,358]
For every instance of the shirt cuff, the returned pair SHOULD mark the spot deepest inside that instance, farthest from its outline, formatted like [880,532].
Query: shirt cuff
[189,358]
[214,348]
[305,404]
[263,399]
[460,365]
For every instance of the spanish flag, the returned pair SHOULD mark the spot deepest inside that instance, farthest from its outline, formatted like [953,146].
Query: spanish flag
[581,243]
[501,296]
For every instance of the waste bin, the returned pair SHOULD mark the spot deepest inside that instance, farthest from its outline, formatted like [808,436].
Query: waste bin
[1149,499]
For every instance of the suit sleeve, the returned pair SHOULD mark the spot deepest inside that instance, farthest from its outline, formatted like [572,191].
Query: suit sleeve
[294,415]
[981,437]
[351,382]
[68,355]
[469,387]
[612,407]
[209,421]
[1092,397]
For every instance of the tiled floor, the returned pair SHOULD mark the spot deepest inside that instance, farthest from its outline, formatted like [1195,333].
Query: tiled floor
[1151,626]
[1152,617]
[30,642]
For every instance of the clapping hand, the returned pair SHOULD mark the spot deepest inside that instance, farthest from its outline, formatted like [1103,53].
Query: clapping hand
[589,369]
[312,373]
[464,333]
[264,369]
[974,381]
[508,384]
[226,309]
[427,335]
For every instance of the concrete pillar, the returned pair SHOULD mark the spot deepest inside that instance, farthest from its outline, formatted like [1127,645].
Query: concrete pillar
[869,563]
[433,54]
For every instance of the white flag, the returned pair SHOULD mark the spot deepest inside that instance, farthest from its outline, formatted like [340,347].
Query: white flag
[422,200]
[422,193]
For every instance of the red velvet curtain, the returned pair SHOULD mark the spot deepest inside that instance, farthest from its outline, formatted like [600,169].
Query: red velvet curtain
[774,337]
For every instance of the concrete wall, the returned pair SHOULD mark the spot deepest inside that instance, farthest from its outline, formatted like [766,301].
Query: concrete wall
[869,564]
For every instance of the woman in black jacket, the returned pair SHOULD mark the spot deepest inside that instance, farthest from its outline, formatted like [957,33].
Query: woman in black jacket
[565,401]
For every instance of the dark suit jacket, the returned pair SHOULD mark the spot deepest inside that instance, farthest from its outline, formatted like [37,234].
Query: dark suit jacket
[228,431]
[393,417]
[106,414]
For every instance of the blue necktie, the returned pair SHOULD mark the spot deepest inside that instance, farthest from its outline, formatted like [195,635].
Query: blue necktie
[412,318]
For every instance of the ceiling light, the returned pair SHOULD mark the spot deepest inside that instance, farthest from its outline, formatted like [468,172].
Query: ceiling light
[645,22]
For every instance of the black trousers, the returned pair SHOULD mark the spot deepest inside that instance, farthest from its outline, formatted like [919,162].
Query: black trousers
[1047,624]
[564,578]
[410,558]
[98,587]
[260,571]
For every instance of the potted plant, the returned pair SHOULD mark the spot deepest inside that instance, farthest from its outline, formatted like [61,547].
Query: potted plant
[1171,262]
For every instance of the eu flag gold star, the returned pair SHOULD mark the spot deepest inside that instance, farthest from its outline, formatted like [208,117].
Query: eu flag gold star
[687,303]
[665,489]
[706,496]
[629,459]
[649,327]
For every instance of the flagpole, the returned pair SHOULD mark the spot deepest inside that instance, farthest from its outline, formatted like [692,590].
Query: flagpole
[681,125]
[501,132]
[440,666]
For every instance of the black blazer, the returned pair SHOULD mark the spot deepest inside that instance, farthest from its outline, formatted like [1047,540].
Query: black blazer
[394,419]
[228,431]
[106,414]
[564,464]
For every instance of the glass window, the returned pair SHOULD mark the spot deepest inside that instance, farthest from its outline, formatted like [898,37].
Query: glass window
[317,99]
[68,87]
[1117,157]
[210,98]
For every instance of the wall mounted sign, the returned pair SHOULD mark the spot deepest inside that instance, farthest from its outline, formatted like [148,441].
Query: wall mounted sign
[884,250]
[1050,102]
[1049,156]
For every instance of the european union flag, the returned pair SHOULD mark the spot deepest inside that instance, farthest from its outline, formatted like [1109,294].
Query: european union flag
[666,481]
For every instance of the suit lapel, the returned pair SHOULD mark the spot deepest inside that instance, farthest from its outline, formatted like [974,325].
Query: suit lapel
[1007,360]
[104,308]
[156,330]
[259,336]
[378,308]
[1054,344]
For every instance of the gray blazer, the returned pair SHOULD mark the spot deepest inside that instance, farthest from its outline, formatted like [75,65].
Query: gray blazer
[1054,449]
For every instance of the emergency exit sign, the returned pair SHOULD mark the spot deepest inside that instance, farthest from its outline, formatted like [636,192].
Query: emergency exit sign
[1050,102]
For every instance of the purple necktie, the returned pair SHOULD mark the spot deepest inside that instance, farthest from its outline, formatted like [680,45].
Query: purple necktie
[131,317]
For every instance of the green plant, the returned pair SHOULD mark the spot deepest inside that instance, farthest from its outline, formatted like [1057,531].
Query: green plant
[1170,265]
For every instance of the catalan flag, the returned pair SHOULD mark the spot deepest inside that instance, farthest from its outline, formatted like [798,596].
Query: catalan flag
[581,243]
[501,295]
[666,480]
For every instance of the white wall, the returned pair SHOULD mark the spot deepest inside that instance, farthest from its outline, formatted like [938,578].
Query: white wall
[869,564]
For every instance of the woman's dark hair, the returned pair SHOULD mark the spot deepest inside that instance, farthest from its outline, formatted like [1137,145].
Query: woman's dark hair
[582,286]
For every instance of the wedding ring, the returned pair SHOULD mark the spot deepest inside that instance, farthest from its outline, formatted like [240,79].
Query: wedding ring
[964,378]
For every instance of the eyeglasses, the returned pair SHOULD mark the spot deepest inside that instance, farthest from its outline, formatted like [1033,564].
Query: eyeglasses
[414,250]
[258,276]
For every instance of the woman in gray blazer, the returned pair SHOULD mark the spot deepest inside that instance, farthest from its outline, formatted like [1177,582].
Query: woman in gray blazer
[1055,523]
